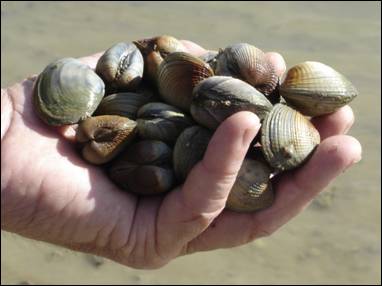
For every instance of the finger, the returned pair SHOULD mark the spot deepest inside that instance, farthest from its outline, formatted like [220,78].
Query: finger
[277,61]
[294,192]
[186,213]
[193,48]
[91,61]
[336,123]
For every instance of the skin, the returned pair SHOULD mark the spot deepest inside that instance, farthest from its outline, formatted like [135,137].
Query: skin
[49,193]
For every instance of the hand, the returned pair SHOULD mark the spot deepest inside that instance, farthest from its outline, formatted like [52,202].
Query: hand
[49,193]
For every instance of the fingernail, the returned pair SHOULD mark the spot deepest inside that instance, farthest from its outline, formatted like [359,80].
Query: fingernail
[250,133]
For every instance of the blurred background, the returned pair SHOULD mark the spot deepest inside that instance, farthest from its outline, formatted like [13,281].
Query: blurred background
[336,240]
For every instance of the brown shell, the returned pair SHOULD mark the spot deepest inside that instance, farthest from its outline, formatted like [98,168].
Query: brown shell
[287,138]
[145,168]
[160,121]
[252,189]
[248,63]
[316,89]
[104,137]
[178,74]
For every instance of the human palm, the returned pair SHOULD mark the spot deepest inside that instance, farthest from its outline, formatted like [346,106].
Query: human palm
[49,193]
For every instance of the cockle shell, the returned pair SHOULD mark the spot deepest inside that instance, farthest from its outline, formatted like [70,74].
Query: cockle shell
[154,50]
[121,67]
[123,104]
[160,121]
[177,76]
[248,63]
[189,150]
[104,137]
[145,168]
[66,92]
[287,138]
[210,58]
[315,89]
[218,97]
[252,189]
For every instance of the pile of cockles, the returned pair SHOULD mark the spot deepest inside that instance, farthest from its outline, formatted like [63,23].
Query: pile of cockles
[149,109]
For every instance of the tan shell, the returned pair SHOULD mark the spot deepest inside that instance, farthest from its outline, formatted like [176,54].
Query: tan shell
[160,121]
[287,138]
[252,189]
[104,137]
[154,50]
[248,63]
[218,97]
[189,150]
[315,89]
[145,168]
[177,76]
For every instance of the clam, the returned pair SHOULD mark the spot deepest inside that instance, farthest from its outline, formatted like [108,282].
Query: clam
[248,63]
[104,137]
[154,50]
[218,97]
[315,89]
[160,121]
[210,58]
[178,74]
[252,189]
[145,168]
[287,138]
[121,67]
[123,104]
[66,92]
[189,150]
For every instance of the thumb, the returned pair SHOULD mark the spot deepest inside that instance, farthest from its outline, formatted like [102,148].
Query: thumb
[187,212]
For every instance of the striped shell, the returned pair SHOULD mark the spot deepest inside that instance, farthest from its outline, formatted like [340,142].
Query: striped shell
[247,63]
[121,67]
[160,121]
[104,137]
[218,97]
[315,89]
[287,138]
[252,189]
[66,92]
[145,168]
[177,76]
[189,149]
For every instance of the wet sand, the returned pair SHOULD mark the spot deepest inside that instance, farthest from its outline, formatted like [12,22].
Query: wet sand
[336,240]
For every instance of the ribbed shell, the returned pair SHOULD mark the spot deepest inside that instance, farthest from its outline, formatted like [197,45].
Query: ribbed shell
[66,92]
[252,189]
[123,104]
[287,138]
[315,89]
[248,63]
[189,150]
[160,121]
[218,97]
[104,137]
[121,67]
[177,76]
[145,168]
